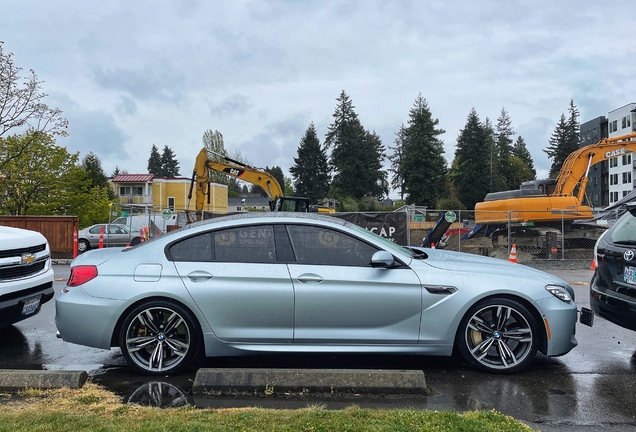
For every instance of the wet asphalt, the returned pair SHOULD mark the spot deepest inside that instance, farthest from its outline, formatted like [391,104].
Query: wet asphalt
[590,388]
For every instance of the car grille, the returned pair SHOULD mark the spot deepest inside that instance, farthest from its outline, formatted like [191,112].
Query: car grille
[12,268]
[18,252]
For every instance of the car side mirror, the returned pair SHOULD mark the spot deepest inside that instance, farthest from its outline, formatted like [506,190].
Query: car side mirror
[382,259]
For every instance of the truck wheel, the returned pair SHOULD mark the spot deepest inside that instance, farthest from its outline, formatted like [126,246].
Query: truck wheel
[83,246]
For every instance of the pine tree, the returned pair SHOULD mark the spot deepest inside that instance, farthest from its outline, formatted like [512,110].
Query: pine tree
[564,140]
[521,151]
[471,156]
[311,168]
[93,167]
[169,163]
[154,162]
[425,168]
[397,161]
[503,145]
[356,156]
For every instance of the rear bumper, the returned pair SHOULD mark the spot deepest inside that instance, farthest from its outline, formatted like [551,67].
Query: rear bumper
[616,308]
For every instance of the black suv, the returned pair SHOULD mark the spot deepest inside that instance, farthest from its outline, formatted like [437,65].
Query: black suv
[613,286]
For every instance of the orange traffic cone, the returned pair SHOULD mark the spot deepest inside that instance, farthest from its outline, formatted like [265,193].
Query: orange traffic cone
[593,266]
[432,245]
[513,254]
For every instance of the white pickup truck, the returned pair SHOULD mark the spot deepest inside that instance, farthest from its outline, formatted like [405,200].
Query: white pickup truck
[26,274]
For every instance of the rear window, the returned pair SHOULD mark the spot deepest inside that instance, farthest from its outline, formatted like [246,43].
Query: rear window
[625,229]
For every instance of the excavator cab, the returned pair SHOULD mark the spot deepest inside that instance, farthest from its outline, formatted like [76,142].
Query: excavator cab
[289,204]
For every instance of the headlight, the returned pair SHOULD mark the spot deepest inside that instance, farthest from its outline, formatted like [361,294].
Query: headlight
[560,292]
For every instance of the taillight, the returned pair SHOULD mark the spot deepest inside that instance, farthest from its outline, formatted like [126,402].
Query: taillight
[81,274]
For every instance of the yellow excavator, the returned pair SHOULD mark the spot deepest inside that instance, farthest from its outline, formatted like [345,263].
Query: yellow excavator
[546,201]
[278,202]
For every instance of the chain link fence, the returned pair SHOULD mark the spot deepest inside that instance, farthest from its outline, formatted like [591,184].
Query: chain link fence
[540,235]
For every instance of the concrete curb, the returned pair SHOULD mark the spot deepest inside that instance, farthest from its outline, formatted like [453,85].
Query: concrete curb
[11,379]
[224,381]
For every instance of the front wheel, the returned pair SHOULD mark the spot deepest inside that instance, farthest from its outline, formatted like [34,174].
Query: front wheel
[159,337]
[498,335]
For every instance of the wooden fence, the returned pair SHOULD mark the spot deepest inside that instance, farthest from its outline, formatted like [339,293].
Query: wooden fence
[58,230]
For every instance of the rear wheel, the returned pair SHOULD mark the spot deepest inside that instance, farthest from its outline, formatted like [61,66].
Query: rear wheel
[159,337]
[83,246]
[498,335]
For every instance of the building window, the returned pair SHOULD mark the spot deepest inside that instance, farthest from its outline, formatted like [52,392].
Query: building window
[627,177]
[624,123]
[613,179]
[627,159]
[613,163]
[131,190]
[625,193]
[171,203]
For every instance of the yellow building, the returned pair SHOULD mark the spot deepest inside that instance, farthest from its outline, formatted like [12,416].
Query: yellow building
[159,193]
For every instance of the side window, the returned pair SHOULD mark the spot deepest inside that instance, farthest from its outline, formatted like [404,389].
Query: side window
[248,244]
[95,229]
[324,246]
[197,248]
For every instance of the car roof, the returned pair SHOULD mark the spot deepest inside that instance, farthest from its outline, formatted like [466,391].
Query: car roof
[271,216]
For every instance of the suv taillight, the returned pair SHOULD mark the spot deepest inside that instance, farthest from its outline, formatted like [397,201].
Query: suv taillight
[81,274]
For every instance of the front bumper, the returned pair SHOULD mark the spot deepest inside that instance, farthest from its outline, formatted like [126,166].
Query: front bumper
[14,298]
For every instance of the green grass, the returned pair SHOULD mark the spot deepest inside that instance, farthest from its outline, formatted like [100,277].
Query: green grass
[94,409]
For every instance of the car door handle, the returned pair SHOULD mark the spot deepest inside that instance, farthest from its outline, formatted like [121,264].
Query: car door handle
[199,276]
[310,278]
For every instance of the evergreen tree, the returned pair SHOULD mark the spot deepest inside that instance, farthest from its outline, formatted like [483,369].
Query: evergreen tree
[503,146]
[471,156]
[424,164]
[310,171]
[93,167]
[154,162]
[356,155]
[521,151]
[397,161]
[169,163]
[116,172]
[564,140]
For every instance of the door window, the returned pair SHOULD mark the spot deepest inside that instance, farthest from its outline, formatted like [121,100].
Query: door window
[323,246]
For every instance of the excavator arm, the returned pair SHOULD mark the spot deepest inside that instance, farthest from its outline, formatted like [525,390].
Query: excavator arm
[257,176]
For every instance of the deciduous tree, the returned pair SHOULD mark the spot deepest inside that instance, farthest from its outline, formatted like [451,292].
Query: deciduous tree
[22,109]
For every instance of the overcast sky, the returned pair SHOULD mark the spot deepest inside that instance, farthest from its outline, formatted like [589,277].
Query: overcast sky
[130,74]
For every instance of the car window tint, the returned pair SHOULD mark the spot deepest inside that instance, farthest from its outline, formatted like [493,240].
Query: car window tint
[284,250]
[197,248]
[323,246]
[252,243]
[95,229]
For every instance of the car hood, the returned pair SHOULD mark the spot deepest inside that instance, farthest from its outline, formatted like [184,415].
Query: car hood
[462,262]
[15,238]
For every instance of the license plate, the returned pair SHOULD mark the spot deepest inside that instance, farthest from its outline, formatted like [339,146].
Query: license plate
[31,305]
[629,275]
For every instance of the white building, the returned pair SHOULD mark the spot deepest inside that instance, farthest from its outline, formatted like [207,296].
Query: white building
[621,121]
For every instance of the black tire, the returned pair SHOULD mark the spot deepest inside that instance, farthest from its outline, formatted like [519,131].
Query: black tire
[135,241]
[83,246]
[159,337]
[498,335]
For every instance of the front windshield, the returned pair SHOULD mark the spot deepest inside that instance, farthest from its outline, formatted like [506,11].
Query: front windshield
[388,244]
